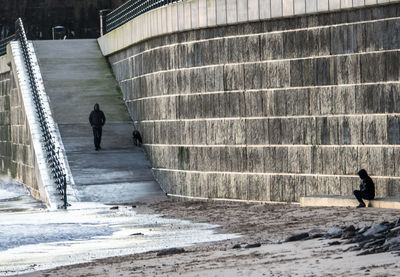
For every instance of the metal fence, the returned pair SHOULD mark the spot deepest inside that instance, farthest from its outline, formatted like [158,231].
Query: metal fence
[53,159]
[3,44]
[130,10]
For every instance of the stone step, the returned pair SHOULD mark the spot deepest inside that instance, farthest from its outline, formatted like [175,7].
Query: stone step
[348,201]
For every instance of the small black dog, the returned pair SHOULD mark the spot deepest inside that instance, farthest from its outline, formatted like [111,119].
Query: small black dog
[137,138]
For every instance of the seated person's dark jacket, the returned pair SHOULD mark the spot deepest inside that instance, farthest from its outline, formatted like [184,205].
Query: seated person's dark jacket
[367,186]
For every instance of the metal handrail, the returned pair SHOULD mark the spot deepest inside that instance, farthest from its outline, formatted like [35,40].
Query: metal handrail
[3,44]
[130,10]
[53,159]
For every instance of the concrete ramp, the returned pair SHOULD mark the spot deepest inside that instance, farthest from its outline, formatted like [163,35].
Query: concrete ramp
[76,76]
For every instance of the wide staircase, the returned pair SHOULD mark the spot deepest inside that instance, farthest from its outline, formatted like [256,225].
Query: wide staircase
[76,76]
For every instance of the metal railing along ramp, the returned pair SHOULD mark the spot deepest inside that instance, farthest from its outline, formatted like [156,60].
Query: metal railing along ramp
[130,10]
[76,76]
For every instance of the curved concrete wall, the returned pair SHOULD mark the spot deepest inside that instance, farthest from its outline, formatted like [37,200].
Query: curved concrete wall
[195,14]
[270,110]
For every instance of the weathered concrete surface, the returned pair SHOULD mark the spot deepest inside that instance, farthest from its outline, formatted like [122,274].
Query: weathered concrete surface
[272,110]
[77,76]
[16,147]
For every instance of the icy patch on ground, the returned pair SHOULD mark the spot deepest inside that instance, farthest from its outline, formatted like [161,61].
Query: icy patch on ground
[10,189]
[41,240]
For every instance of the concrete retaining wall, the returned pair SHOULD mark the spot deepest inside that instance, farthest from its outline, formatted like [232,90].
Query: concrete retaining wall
[270,110]
[15,137]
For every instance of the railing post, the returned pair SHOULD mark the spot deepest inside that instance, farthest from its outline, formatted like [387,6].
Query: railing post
[103,26]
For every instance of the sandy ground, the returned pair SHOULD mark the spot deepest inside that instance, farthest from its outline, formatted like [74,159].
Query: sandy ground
[263,223]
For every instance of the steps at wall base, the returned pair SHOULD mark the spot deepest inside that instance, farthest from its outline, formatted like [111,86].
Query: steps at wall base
[347,201]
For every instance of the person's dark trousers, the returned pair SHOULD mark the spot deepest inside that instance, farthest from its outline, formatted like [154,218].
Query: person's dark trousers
[361,195]
[97,136]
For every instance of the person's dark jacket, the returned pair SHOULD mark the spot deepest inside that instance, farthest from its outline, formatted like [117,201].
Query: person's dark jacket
[96,117]
[367,186]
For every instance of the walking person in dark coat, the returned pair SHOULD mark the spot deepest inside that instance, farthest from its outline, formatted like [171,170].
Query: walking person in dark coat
[367,188]
[97,121]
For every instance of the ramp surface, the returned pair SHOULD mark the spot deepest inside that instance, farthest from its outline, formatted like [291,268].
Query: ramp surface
[76,76]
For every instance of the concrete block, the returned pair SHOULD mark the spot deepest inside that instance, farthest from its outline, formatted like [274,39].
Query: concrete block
[265,9]
[231,11]
[256,133]
[381,187]
[299,159]
[276,8]
[275,159]
[253,10]
[287,7]
[202,6]
[323,5]
[348,71]
[174,18]
[374,129]
[181,17]
[348,184]
[345,4]
[327,129]
[259,187]
[328,185]
[393,129]
[234,50]
[300,186]
[211,12]
[304,131]
[278,75]
[369,99]
[188,15]
[393,186]
[252,77]
[276,187]
[242,10]
[254,103]
[371,159]
[271,46]
[334,5]
[389,158]
[194,12]
[221,11]
[350,130]
[372,67]
[311,6]
[300,6]
[359,3]
[326,100]
[289,186]
[255,159]
[302,73]
[233,77]
[349,160]
[287,130]
[343,100]
[311,185]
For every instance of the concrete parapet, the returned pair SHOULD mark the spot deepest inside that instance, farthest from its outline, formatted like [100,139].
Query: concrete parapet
[194,14]
[270,110]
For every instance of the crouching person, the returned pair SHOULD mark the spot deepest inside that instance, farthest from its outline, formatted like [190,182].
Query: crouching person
[367,188]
